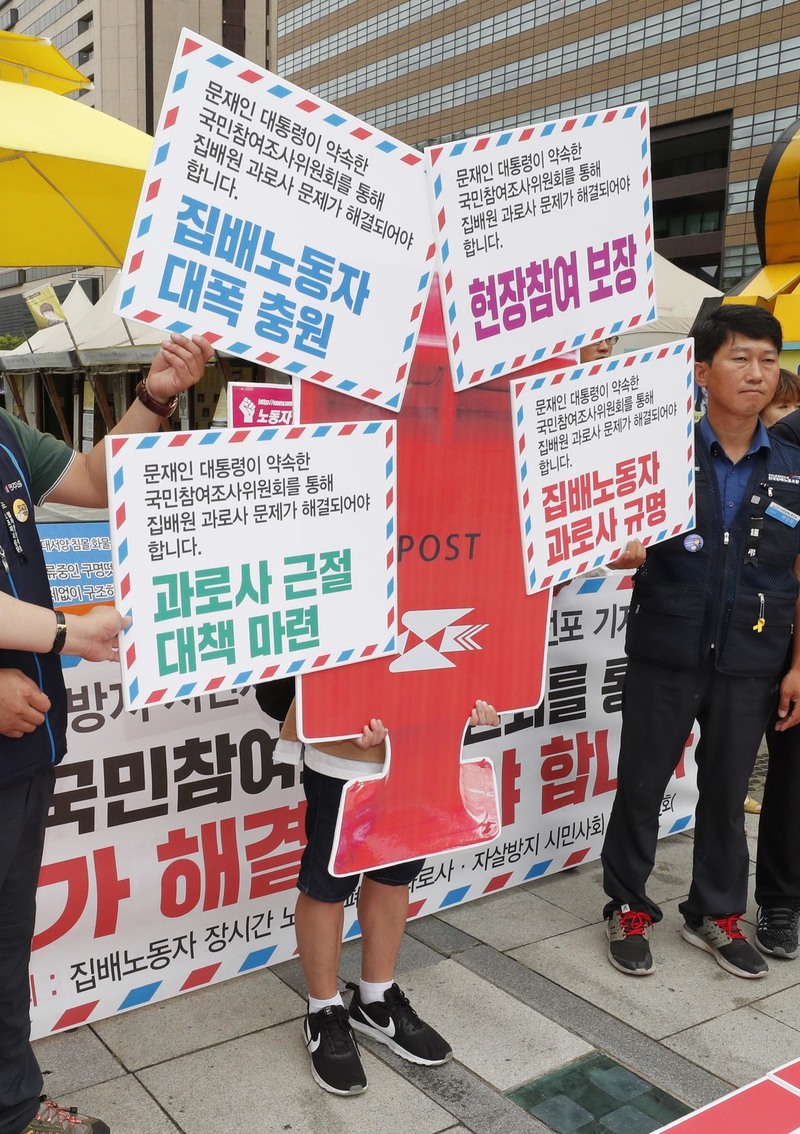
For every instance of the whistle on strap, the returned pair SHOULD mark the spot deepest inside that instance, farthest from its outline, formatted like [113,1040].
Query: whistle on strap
[761,621]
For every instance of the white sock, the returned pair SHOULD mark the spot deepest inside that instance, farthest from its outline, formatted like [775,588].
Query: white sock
[332,1001]
[370,991]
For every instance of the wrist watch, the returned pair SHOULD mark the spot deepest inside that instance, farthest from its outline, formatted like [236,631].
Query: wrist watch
[61,633]
[163,409]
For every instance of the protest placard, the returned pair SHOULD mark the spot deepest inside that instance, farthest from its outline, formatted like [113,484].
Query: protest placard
[466,627]
[605,454]
[251,404]
[287,231]
[245,555]
[544,237]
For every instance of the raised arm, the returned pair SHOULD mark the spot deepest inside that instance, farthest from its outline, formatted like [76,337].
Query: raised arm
[178,365]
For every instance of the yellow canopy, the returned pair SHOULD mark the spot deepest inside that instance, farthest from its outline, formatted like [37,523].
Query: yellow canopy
[34,61]
[70,179]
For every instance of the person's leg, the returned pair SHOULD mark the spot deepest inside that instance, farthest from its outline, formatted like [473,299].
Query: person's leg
[382,914]
[778,857]
[379,1008]
[335,1061]
[23,815]
[319,913]
[318,928]
[659,707]
[23,811]
[732,721]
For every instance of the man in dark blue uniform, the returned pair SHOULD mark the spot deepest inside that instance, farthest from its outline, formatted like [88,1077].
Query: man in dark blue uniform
[709,634]
[35,467]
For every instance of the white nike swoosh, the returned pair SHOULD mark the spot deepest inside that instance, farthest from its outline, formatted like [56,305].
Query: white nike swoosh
[313,1044]
[387,1031]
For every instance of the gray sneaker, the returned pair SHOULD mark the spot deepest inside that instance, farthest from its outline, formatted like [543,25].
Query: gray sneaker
[628,934]
[776,932]
[724,940]
[54,1119]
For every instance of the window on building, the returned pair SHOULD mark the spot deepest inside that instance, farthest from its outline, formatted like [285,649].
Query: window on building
[689,164]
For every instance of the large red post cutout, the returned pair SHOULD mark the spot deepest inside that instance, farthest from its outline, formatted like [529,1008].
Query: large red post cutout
[466,629]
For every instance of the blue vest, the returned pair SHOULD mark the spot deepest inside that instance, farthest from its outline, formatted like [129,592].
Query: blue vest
[731,592]
[23,574]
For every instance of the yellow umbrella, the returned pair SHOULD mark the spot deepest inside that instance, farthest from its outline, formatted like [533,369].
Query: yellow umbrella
[32,60]
[70,179]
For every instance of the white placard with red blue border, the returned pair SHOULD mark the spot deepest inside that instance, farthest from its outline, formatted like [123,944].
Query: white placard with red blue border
[245,555]
[545,239]
[175,834]
[254,404]
[604,454]
[287,231]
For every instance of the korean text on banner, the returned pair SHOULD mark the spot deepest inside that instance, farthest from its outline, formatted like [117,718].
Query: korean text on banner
[285,230]
[605,454]
[246,555]
[544,237]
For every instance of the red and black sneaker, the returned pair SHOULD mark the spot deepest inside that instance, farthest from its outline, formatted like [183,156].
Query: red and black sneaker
[629,941]
[723,939]
[54,1119]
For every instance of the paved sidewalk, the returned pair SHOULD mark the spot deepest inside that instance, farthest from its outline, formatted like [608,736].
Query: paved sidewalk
[518,982]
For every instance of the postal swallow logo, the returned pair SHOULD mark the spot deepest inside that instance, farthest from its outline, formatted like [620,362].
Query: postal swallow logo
[430,635]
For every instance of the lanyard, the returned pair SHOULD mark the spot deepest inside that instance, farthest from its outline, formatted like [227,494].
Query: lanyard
[11,524]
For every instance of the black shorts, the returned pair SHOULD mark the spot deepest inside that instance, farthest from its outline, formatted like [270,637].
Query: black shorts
[323,794]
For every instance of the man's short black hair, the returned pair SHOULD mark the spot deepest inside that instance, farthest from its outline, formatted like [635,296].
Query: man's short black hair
[730,319]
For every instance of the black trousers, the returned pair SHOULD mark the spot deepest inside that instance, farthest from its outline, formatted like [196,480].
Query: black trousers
[23,811]
[778,858]
[659,708]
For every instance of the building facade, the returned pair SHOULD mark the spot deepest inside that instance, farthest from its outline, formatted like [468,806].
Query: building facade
[722,78]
